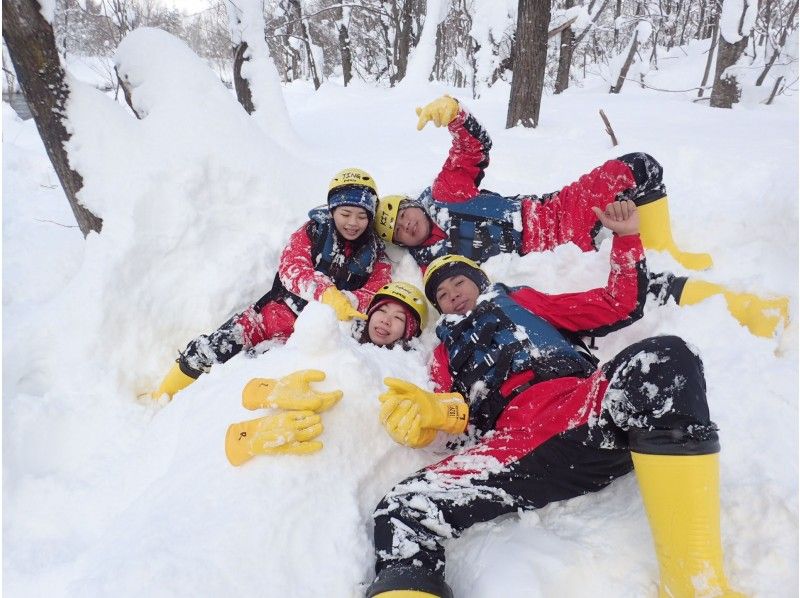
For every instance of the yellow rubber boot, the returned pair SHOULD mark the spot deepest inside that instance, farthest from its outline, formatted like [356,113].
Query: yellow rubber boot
[405,594]
[656,233]
[681,497]
[174,381]
[762,317]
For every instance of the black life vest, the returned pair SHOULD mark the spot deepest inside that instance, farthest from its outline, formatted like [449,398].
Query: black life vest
[498,339]
[348,273]
[486,225]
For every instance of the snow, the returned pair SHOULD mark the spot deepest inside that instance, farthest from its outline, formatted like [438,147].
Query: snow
[246,23]
[105,494]
[488,24]
[422,57]
[731,17]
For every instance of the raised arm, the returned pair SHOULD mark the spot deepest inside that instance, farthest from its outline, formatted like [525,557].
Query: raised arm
[621,302]
[469,153]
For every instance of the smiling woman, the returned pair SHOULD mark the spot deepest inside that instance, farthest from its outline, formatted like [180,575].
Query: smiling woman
[396,314]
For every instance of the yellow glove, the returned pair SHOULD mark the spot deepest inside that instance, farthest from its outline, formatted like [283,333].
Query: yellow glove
[400,418]
[287,433]
[340,304]
[444,411]
[441,111]
[290,392]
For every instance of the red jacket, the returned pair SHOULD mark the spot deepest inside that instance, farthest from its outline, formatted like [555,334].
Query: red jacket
[595,312]
[296,270]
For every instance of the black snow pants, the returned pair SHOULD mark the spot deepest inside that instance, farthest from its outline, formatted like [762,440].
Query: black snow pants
[263,321]
[651,399]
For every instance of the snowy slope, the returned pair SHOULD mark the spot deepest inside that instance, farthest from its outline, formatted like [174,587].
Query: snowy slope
[104,494]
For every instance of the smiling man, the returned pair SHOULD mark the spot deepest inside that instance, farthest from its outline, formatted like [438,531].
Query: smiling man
[547,424]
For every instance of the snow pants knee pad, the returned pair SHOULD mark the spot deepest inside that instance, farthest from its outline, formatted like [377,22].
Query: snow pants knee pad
[218,347]
[648,174]
[657,394]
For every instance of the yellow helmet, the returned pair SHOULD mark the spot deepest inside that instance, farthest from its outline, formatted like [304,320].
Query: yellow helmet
[386,215]
[352,176]
[452,265]
[408,295]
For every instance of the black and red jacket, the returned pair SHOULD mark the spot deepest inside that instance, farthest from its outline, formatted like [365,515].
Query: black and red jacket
[479,224]
[317,258]
[520,340]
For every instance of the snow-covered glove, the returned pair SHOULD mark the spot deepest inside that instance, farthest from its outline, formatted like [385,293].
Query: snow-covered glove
[341,304]
[293,391]
[288,433]
[441,111]
[401,420]
[445,411]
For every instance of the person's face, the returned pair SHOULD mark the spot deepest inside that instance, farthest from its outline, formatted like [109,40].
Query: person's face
[387,324]
[412,227]
[457,295]
[350,221]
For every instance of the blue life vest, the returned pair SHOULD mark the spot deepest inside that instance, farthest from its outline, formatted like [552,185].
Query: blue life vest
[479,228]
[348,273]
[498,339]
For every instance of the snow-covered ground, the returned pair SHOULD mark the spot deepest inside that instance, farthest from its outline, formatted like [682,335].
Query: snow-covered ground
[104,494]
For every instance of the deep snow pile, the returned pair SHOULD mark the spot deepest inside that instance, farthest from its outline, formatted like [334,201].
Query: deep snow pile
[104,494]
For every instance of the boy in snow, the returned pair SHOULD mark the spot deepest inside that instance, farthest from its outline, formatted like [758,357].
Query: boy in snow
[548,423]
[455,216]
[395,315]
[334,258]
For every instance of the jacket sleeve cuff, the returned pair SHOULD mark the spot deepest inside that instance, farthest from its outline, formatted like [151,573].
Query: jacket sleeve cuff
[627,243]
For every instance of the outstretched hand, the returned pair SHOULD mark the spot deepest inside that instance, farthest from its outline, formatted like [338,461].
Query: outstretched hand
[620,217]
[440,111]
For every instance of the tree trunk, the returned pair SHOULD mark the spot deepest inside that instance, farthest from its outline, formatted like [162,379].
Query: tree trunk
[726,91]
[709,62]
[701,21]
[530,57]
[240,84]
[616,88]
[32,49]
[781,43]
[767,18]
[312,66]
[126,91]
[344,48]
[565,55]
[402,42]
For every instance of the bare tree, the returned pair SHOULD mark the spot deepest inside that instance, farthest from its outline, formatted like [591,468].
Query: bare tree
[714,21]
[402,45]
[32,49]
[617,87]
[240,84]
[530,58]
[295,12]
[344,44]
[779,48]
[566,47]
[726,91]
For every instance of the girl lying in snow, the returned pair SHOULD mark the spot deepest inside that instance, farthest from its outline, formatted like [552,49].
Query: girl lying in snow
[548,423]
[395,316]
[455,216]
[334,258]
